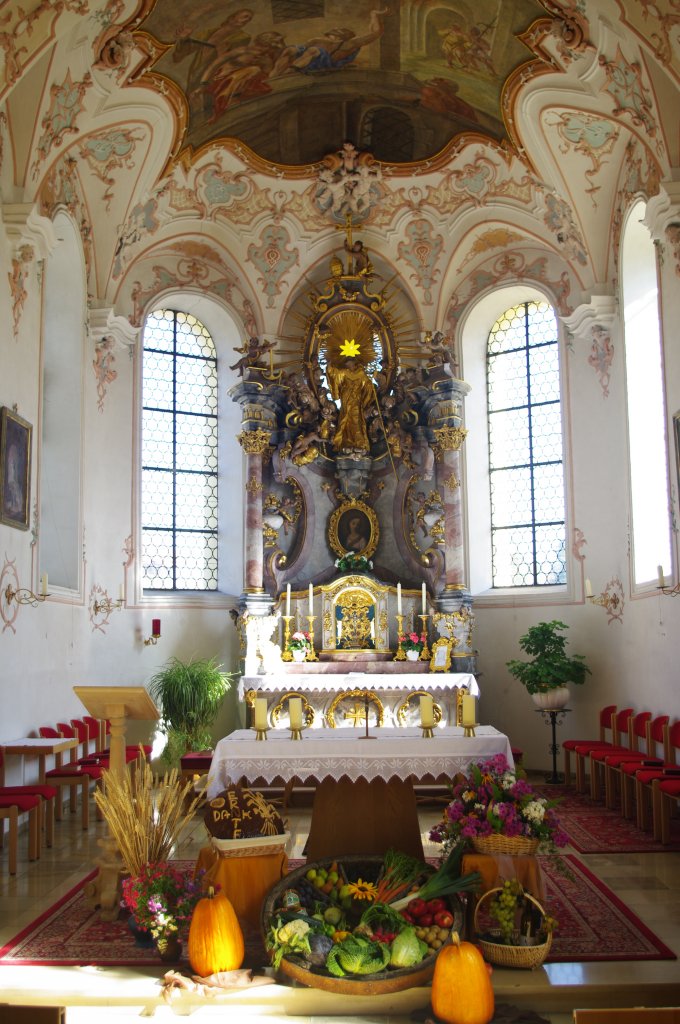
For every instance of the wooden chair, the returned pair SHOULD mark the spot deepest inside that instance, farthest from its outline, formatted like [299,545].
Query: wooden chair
[599,759]
[645,775]
[606,720]
[11,806]
[665,796]
[583,750]
[72,776]
[621,767]
[48,794]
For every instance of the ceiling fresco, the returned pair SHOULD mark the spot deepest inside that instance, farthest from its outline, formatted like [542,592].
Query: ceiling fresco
[291,77]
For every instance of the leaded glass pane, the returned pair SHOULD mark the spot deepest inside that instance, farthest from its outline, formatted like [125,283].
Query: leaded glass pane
[179,454]
[525,448]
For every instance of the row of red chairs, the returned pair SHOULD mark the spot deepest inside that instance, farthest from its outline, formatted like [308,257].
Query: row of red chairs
[633,763]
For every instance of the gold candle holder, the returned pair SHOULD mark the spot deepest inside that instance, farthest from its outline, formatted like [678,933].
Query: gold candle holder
[261,734]
[469,730]
[428,732]
[425,653]
[399,656]
[311,653]
[296,734]
[286,655]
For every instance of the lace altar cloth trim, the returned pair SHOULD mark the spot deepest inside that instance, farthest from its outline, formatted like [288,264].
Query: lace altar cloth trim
[327,753]
[319,682]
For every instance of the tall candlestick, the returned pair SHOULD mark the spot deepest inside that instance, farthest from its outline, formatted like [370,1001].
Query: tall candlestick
[589,589]
[398,598]
[426,711]
[295,712]
[424,599]
[311,599]
[660,575]
[43,584]
[288,599]
[469,708]
[260,713]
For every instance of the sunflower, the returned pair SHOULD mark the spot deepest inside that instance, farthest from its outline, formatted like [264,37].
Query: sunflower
[361,890]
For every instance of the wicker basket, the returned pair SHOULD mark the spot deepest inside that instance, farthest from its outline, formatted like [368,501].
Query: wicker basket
[257,846]
[497,844]
[502,955]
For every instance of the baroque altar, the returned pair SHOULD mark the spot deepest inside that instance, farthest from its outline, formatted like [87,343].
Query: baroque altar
[352,434]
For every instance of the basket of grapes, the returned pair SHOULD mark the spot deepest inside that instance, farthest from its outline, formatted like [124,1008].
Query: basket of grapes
[363,925]
[513,929]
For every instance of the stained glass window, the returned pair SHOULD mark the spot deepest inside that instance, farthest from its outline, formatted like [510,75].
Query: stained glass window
[525,448]
[179,454]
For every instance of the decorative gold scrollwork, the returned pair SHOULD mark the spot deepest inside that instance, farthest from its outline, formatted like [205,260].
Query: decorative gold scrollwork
[406,710]
[282,706]
[356,713]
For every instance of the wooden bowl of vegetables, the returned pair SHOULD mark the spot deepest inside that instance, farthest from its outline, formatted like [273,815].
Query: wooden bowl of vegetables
[347,926]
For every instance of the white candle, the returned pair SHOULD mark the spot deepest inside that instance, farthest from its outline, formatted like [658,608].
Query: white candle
[260,713]
[121,593]
[398,598]
[311,599]
[424,600]
[43,584]
[469,709]
[660,575]
[426,711]
[287,599]
[295,712]
[589,589]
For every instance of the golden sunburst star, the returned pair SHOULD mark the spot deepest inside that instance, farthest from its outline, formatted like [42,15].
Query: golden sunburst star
[350,348]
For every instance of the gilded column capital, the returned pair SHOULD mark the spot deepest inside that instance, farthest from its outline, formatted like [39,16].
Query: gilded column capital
[254,442]
[448,439]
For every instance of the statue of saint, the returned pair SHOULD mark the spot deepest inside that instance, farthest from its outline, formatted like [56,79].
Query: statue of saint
[351,385]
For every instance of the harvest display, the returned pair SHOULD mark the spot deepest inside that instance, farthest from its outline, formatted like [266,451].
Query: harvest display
[363,918]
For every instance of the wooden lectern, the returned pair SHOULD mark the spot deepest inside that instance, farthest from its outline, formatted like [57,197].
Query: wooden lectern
[116,704]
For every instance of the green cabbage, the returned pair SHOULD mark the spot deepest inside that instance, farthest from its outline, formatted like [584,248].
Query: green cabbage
[407,949]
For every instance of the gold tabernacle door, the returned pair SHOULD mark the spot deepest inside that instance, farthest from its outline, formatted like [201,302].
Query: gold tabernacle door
[354,616]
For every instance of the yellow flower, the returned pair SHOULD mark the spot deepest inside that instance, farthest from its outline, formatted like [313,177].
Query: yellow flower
[361,890]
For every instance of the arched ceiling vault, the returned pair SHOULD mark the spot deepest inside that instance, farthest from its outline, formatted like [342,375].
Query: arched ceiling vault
[198,143]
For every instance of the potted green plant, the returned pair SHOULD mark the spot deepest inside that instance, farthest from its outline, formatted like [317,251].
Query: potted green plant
[189,695]
[551,669]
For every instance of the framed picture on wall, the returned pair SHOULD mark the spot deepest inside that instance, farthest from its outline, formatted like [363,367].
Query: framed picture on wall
[15,469]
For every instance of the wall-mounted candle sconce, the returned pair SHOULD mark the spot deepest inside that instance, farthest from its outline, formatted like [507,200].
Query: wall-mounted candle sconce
[155,633]
[107,605]
[609,600]
[668,591]
[22,595]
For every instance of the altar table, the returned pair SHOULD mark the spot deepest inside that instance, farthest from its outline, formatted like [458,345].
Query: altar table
[364,800]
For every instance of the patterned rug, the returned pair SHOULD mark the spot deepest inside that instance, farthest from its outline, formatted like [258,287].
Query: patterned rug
[593,828]
[593,924]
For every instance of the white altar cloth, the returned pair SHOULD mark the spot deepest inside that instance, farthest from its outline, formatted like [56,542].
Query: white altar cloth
[400,753]
[336,682]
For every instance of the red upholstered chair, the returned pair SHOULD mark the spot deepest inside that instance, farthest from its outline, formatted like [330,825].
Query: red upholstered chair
[644,775]
[630,751]
[131,747]
[71,775]
[11,806]
[665,795]
[622,767]
[48,795]
[581,748]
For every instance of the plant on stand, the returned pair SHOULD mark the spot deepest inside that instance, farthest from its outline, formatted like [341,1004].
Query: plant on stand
[412,644]
[299,645]
[551,669]
[189,694]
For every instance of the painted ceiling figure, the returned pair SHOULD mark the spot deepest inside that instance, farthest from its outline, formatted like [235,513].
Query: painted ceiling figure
[352,387]
[335,49]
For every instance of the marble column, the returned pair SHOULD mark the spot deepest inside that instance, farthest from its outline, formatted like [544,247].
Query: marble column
[257,446]
[446,445]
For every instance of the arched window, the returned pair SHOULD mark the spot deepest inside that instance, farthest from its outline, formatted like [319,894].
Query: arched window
[650,500]
[526,473]
[179,454]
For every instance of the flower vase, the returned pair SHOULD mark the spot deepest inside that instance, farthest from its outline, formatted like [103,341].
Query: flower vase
[299,656]
[169,948]
[142,938]
[412,655]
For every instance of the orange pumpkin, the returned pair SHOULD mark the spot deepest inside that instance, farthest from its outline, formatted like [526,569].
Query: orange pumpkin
[462,992]
[215,936]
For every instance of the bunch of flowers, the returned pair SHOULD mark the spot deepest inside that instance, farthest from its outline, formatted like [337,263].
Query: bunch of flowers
[162,898]
[353,563]
[300,641]
[493,799]
[412,642]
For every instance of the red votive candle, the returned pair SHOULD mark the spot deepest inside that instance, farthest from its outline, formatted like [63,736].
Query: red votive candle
[155,627]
